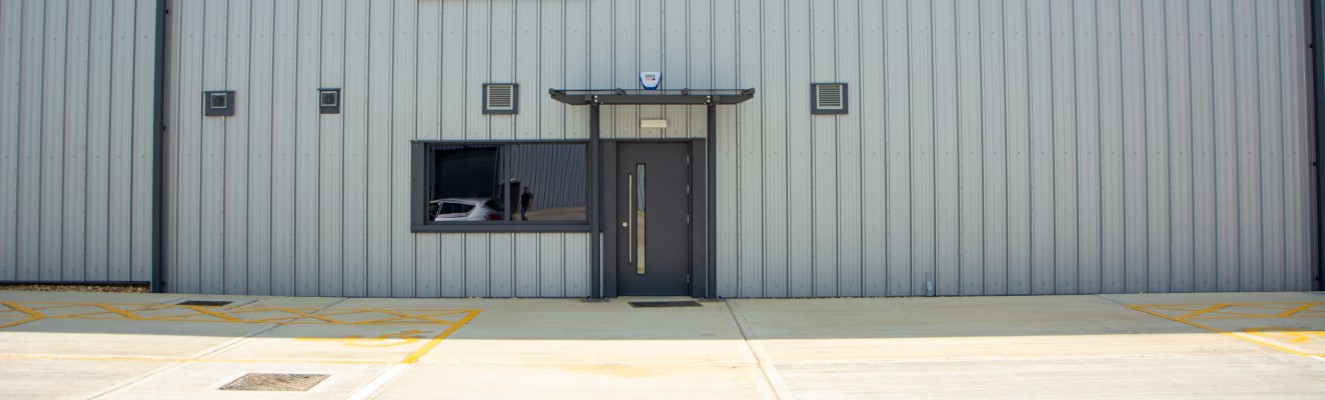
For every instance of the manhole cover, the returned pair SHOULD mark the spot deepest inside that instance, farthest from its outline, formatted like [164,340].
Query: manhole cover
[276,382]
[204,303]
[648,304]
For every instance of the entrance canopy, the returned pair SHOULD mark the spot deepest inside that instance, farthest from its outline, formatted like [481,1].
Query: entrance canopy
[594,97]
[704,276]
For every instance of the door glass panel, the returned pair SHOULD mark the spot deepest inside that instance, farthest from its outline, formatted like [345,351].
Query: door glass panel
[639,219]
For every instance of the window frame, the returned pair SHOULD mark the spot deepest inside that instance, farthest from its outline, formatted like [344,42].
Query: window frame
[423,168]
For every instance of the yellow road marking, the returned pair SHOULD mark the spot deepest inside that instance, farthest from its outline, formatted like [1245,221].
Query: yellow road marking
[438,340]
[388,340]
[1295,335]
[34,311]
[33,315]
[187,360]
[1257,335]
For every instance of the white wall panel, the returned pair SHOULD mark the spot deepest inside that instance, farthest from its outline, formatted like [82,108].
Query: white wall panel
[392,151]
[995,147]
[1039,77]
[923,145]
[1157,145]
[1269,85]
[98,150]
[358,246]
[78,49]
[1134,136]
[1112,193]
[971,131]
[1225,144]
[1066,134]
[235,148]
[1181,181]
[211,150]
[1202,82]
[873,151]
[284,99]
[11,69]
[897,147]
[776,217]
[259,152]
[850,173]
[27,235]
[74,83]
[1087,69]
[120,138]
[749,155]
[788,273]
[1247,113]
[1015,79]
[946,149]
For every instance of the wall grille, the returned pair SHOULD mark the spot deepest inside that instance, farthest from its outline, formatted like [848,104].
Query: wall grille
[500,98]
[828,98]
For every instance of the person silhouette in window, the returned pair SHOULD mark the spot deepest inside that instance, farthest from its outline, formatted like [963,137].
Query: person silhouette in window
[526,200]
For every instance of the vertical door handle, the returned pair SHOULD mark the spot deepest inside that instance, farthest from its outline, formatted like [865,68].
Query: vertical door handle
[630,212]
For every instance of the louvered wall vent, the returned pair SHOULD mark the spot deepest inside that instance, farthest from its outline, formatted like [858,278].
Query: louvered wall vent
[501,98]
[828,98]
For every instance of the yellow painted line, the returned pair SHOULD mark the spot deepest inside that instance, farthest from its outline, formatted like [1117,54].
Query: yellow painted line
[1298,309]
[33,315]
[1203,311]
[215,314]
[438,340]
[186,360]
[1221,331]
[116,310]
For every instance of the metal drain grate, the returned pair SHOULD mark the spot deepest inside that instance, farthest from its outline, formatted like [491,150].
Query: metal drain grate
[654,304]
[204,303]
[276,382]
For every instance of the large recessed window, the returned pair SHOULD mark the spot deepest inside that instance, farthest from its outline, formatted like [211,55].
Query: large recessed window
[500,186]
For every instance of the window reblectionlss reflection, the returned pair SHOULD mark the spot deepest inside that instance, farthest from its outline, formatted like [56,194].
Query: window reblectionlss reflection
[505,183]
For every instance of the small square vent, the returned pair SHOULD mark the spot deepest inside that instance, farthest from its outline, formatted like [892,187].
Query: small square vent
[501,98]
[218,103]
[828,98]
[328,100]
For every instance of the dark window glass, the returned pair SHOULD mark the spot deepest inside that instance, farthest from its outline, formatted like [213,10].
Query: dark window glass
[548,182]
[507,182]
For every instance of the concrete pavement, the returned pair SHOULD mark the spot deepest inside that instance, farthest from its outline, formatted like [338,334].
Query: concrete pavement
[148,346]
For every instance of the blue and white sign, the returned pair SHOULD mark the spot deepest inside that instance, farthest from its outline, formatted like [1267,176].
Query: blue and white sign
[650,80]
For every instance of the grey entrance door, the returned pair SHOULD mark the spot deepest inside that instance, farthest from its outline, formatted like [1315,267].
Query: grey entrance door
[653,207]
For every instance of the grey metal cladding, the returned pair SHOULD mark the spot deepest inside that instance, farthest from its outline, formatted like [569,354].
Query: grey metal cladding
[1001,147]
[76,153]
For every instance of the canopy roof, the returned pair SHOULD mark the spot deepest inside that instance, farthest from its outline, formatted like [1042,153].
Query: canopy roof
[580,97]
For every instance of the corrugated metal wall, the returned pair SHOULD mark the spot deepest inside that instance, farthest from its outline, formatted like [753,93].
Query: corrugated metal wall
[282,200]
[1016,147]
[76,89]
[995,146]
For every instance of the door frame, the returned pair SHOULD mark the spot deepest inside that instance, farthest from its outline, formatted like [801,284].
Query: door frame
[698,269]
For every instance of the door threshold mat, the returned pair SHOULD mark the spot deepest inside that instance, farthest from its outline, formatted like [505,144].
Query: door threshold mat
[276,382]
[655,304]
[205,303]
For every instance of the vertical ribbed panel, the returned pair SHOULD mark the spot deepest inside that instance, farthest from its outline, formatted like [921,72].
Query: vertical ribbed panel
[76,89]
[1017,147]
[993,146]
